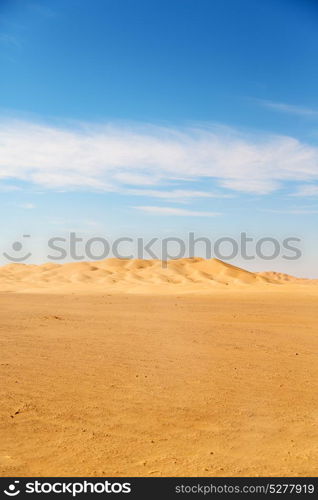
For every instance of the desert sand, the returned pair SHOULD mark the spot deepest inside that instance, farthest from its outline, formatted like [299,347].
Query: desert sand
[134,275]
[123,368]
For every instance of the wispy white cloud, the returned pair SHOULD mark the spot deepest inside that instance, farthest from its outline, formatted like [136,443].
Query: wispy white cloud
[42,10]
[293,211]
[8,188]
[27,206]
[260,186]
[306,190]
[9,40]
[119,157]
[175,211]
[135,179]
[177,195]
[288,108]
[67,224]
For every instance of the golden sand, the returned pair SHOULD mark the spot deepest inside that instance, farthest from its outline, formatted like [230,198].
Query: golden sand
[125,368]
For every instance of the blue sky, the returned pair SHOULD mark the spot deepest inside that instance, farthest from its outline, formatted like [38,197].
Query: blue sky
[156,118]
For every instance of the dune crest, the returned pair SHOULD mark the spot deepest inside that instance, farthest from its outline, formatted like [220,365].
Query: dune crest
[188,274]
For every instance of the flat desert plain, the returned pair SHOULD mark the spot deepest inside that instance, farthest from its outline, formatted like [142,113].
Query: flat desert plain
[123,368]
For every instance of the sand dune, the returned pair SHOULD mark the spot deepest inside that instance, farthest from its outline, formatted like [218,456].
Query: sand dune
[126,368]
[189,275]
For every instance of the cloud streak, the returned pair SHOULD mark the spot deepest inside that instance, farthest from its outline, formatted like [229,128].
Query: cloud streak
[288,108]
[7,39]
[307,190]
[293,211]
[175,211]
[176,195]
[129,157]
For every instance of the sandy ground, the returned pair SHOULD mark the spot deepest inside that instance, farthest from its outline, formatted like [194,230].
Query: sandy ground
[223,383]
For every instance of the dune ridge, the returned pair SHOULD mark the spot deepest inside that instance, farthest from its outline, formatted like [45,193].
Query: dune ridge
[188,274]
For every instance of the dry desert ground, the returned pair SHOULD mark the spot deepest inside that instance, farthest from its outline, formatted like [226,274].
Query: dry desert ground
[123,368]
